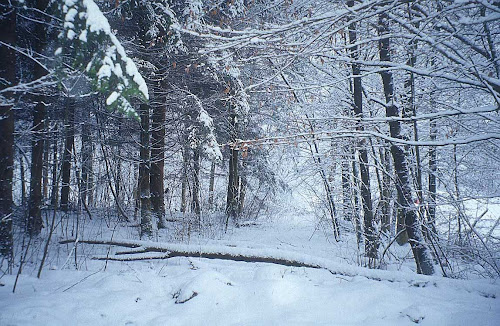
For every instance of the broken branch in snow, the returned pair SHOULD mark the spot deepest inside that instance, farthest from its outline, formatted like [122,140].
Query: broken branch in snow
[177,250]
[144,250]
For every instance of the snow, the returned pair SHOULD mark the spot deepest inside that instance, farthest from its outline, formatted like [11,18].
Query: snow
[115,59]
[210,146]
[197,291]
[83,36]
[71,34]
[112,98]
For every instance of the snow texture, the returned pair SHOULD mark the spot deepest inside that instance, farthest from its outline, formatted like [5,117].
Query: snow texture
[196,291]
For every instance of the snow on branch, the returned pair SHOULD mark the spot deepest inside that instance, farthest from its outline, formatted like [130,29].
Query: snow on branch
[347,133]
[95,50]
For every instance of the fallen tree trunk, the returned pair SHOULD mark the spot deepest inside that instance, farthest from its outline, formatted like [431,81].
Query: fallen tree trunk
[178,250]
[144,250]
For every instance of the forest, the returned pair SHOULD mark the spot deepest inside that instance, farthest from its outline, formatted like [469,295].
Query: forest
[249,162]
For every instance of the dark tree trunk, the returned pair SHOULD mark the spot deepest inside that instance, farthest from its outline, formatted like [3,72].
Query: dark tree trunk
[157,164]
[55,163]
[184,185]
[420,250]
[8,77]
[347,206]
[211,187]
[385,195]
[45,174]
[355,194]
[233,186]
[23,181]
[195,205]
[432,176]
[35,222]
[243,191]
[371,244]
[69,130]
[87,161]
[144,166]
[409,110]
[117,161]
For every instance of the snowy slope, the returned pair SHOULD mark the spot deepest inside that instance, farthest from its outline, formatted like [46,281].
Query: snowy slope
[195,291]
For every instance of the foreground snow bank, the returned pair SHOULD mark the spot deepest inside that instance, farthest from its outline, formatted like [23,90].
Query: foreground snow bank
[142,250]
[195,291]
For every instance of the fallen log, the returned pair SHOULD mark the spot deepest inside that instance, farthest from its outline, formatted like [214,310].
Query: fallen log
[144,250]
[179,250]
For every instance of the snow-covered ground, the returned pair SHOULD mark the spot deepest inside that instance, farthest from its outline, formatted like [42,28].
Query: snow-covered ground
[195,291]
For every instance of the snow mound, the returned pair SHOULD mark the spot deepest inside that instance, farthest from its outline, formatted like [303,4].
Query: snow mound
[269,273]
[209,282]
[414,313]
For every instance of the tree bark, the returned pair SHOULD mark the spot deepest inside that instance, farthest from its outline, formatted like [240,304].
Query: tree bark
[69,130]
[355,194]
[195,205]
[8,76]
[157,163]
[147,227]
[45,174]
[420,250]
[87,153]
[233,186]
[35,222]
[211,187]
[55,164]
[347,193]
[184,185]
[243,191]
[371,244]
[432,175]
[385,196]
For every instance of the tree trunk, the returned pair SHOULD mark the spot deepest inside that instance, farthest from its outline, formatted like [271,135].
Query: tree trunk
[420,250]
[69,130]
[385,195]
[23,181]
[87,153]
[195,205]
[211,187]
[233,186]
[185,162]
[432,176]
[35,222]
[147,227]
[355,194]
[157,164]
[243,191]
[8,76]
[117,161]
[45,174]
[347,209]
[409,110]
[371,244]
[53,193]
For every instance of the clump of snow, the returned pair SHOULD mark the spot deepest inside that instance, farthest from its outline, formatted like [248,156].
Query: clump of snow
[211,147]
[112,98]
[206,283]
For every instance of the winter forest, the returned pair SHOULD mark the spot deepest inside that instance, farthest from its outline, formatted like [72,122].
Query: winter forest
[249,162]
